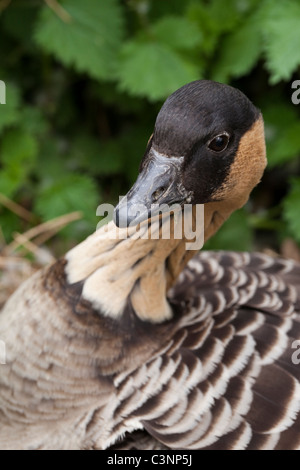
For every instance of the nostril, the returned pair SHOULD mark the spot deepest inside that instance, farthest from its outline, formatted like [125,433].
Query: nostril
[157,193]
[120,217]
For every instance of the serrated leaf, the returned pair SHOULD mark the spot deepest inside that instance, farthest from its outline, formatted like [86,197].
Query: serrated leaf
[18,155]
[210,30]
[292,209]
[282,37]
[176,32]
[10,112]
[90,41]
[70,193]
[153,70]
[213,19]
[239,52]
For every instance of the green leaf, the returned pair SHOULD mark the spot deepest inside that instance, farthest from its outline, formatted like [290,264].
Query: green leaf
[153,70]
[239,52]
[96,157]
[215,18]
[236,234]
[282,129]
[292,209]
[18,154]
[158,9]
[176,32]
[226,16]
[9,223]
[33,120]
[210,30]
[10,112]
[282,37]
[20,30]
[51,163]
[70,193]
[88,38]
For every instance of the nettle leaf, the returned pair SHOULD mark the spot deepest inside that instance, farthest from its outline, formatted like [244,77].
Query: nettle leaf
[282,130]
[226,16]
[239,52]
[10,112]
[70,193]
[18,155]
[176,32]
[292,209]
[153,70]
[210,30]
[215,18]
[281,37]
[88,38]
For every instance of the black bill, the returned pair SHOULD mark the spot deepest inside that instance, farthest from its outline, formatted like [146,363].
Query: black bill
[157,187]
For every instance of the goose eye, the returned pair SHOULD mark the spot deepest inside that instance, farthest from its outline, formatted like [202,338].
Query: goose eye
[219,143]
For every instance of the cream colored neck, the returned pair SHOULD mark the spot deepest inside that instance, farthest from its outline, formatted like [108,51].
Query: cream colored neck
[117,266]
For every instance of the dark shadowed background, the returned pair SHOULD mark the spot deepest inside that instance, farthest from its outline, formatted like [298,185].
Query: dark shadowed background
[85,80]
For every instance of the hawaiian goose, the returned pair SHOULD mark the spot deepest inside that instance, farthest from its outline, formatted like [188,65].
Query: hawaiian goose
[122,344]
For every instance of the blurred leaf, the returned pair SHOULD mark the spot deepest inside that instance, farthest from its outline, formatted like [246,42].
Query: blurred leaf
[282,37]
[227,15]
[73,192]
[210,30]
[97,158]
[153,70]
[159,9]
[51,163]
[10,112]
[239,52]
[132,154]
[9,223]
[214,18]
[33,120]
[89,41]
[18,154]
[20,30]
[236,234]
[177,32]
[292,209]
[282,128]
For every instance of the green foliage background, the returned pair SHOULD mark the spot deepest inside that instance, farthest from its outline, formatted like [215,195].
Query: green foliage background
[85,80]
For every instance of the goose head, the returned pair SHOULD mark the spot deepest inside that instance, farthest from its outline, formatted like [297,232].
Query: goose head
[207,146]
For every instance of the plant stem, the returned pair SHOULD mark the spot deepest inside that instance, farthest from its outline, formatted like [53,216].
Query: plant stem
[59,11]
